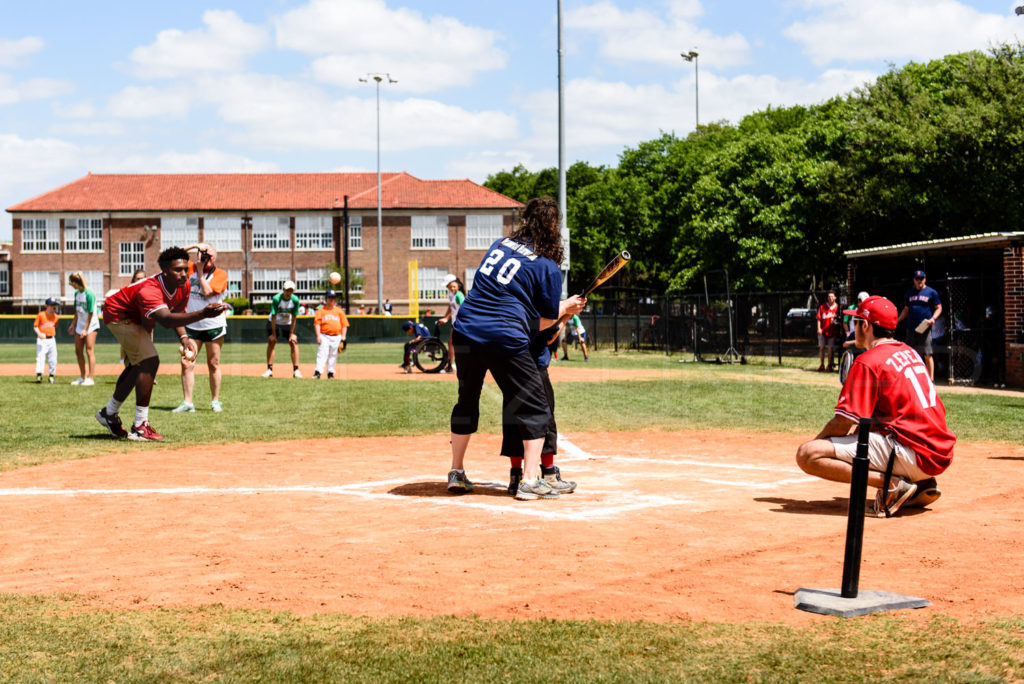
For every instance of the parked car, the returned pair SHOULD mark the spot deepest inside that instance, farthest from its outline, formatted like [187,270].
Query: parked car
[800,323]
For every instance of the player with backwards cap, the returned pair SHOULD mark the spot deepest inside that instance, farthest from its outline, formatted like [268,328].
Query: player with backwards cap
[516,293]
[890,384]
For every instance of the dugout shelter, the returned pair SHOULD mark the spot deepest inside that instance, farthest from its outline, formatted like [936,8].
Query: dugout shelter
[979,338]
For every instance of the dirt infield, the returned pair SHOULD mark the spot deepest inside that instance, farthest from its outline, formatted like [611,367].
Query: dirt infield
[665,526]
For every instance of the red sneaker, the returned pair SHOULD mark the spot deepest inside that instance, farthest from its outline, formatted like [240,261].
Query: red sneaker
[112,423]
[144,433]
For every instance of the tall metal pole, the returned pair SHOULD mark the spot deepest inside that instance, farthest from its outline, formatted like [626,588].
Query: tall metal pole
[380,228]
[562,201]
[692,56]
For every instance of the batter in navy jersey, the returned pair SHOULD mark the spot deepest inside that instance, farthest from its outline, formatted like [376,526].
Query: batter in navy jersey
[515,294]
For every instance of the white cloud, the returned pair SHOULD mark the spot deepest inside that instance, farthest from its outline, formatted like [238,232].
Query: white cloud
[290,114]
[12,92]
[223,45]
[357,37]
[851,30]
[137,102]
[207,160]
[89,128]
[13,51]
[82,109]
[639,35]
[477,165]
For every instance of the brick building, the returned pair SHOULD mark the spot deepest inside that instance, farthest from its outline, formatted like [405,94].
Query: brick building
[267,228]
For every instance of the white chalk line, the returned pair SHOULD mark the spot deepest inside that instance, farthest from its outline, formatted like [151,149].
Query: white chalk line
[614,501]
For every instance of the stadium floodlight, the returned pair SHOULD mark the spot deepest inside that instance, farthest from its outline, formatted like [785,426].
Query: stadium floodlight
[692,56]
[1019,10]
[380,232]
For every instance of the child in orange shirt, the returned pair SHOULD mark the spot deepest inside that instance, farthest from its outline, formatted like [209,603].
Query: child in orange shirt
[331,327]
[46,341]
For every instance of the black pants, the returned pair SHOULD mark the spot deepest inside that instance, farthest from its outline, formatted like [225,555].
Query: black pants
[512,443]
[524,401]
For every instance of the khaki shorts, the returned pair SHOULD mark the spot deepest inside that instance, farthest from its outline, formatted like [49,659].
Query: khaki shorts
[136,341]
[879,448]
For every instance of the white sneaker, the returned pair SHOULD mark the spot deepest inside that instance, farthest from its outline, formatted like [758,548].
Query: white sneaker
[216,406]
[88,382]
[79,381]
[184,407]
[269,373]
[297,373]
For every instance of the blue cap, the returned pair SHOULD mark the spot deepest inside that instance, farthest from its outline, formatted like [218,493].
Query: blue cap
[330,293]
[919,274]
[50,301]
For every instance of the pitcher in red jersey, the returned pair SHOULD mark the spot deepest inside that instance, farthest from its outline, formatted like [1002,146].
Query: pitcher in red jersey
[890,384]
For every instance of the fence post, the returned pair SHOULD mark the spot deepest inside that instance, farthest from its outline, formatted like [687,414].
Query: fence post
[615,328]
[779,330]
[639,301]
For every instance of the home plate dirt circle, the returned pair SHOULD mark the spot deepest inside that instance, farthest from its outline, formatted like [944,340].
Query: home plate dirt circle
[709,525]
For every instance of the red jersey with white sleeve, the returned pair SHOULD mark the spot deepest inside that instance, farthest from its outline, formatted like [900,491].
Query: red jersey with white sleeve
[828,316]
[137,302]
[889,383]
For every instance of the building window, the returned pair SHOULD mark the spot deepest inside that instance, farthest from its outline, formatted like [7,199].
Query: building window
[234,282]
[93,281]
[39,235]
[482,231]
[133,256]
[313,232]
[270,232]
[432,283]
[430,232]
[178,231]
[468,281]
[355,232]
[307,279]
[223,232]
[356,282]
[269,279]
[5,281]
[83,235]
[40,284]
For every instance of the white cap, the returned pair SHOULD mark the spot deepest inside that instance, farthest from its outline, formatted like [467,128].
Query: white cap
[449,279]
[288,285]
[861,296]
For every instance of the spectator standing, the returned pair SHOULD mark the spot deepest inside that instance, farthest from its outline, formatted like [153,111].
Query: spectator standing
[284,309]
[828,330]
[85,326]
[207,284]
[920,309]
[45,327]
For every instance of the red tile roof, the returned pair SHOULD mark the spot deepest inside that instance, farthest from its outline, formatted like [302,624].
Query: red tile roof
[261,192]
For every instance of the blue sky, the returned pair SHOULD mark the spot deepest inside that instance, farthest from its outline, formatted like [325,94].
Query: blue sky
[272,85]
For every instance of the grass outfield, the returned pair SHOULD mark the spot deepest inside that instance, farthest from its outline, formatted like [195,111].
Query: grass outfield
[68,638]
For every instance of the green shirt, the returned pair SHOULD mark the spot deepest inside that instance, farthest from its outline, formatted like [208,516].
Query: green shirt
[283,311]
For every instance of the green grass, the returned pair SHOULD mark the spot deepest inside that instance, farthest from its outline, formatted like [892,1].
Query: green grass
[44,639]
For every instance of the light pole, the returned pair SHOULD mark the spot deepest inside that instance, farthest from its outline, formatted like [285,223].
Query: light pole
[691,56]
[380,232]
[1019,10]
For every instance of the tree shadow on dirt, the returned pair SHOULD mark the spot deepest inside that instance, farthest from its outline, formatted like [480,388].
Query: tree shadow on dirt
[431,489]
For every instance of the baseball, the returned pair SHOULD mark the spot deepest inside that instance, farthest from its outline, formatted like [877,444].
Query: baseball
[186,353]
[335,277]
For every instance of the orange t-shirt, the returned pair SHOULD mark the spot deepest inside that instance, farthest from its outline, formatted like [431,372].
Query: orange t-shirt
[47,323]
[330,321]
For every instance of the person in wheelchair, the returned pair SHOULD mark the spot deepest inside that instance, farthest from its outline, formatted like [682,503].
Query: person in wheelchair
[419,333]
[850,349]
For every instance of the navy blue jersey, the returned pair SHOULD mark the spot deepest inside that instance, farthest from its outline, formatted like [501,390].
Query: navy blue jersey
[921,302]
[513,288]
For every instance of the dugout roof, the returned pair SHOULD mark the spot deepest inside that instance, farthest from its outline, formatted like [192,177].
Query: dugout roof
[983,241]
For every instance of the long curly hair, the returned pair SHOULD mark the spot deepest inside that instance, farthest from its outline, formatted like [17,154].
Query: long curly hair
[541,228]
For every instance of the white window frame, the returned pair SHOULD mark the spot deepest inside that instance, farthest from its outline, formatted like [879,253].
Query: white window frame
[131,256]
[5,281]
[357,287]
[468,280]
[314,233]
[178,231]
[269,279]
[39,235]
[429,232]
[483,229]
[431,283]
[355,232]
[223,232]
[234,282]
[309,279]
[38,285]
[271,233]
[83,234]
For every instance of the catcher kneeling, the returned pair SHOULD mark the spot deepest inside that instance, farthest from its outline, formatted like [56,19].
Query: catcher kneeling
[909,444]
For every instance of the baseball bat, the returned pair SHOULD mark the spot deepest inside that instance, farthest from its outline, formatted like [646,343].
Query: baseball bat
[610,269]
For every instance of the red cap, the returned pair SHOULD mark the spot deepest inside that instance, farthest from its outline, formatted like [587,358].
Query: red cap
[876,310]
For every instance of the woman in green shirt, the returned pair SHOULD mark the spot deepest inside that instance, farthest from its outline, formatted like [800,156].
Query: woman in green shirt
[85,326]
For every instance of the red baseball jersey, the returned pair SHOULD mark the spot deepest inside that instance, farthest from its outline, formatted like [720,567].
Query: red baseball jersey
[137,302]
[890,384]
[829,317]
